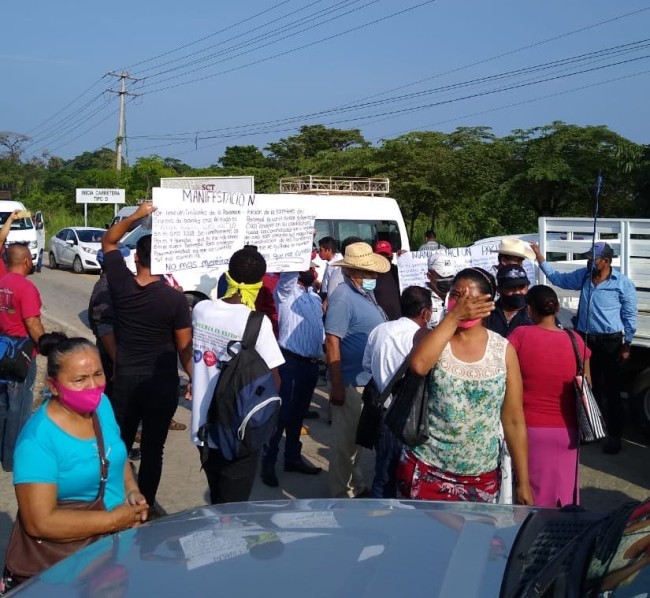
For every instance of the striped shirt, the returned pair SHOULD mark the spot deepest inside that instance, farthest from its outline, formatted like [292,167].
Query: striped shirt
[300,317]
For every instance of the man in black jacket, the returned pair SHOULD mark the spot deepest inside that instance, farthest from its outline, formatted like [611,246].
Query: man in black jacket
[510,307]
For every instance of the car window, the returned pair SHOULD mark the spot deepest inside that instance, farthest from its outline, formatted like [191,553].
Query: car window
[70,236]
[62,234]
[90,236]
[134,236]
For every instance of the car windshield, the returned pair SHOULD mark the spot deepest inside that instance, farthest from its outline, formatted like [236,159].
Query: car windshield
[20,224]
[91,236]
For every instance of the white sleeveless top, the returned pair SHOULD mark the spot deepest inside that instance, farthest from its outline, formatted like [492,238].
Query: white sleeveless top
[465,411]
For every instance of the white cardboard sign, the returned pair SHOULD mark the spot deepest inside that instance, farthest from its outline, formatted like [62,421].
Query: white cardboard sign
[201,229]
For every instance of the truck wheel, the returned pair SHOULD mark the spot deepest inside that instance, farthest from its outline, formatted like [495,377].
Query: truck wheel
[640,401]
[77,266]
[53,264]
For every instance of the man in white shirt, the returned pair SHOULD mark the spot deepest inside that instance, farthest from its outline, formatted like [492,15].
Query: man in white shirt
[215,324]
[440,271]
[388,346]
[328,253]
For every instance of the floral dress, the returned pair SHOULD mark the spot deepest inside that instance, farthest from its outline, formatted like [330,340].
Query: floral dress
[461,456]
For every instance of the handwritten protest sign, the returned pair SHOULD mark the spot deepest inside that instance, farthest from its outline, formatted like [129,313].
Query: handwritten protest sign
[282,232]
[412,269]
[200,229]
[412,265]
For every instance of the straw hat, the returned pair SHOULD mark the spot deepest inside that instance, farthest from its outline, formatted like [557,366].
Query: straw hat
[360,257]
[516,248]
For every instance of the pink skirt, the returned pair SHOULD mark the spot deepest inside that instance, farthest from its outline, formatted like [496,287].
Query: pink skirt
[552,457]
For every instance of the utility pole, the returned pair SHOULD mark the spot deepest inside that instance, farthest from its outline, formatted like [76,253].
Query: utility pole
[121,130]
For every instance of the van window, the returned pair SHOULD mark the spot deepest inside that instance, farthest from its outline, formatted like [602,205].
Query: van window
[20,224]
[370,231]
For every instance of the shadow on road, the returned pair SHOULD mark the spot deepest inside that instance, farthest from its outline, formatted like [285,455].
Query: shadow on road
[600,499]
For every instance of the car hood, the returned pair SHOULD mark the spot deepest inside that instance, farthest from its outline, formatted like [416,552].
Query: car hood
[292,548]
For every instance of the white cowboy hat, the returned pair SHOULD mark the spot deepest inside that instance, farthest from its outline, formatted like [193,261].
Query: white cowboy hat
[360,257]
[516,248]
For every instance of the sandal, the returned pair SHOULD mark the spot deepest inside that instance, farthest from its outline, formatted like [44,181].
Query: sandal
[174,425]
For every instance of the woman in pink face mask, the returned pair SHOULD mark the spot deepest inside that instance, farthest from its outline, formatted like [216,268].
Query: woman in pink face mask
[475,385]
[57,455]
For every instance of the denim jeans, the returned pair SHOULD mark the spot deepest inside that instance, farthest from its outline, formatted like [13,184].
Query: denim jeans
[388,451]
[152,400]
[298,381]
[16,401]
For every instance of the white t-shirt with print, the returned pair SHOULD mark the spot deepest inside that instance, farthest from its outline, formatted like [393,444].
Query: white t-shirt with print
[214,325]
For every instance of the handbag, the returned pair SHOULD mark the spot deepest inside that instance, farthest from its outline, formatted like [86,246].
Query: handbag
[590,420]
[16,355]
[375,404]
[408,414]
[27,556]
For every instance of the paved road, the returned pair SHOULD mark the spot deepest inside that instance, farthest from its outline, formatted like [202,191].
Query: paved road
[606,481]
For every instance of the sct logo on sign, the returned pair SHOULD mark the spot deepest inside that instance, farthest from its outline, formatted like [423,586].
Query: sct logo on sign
[197,356]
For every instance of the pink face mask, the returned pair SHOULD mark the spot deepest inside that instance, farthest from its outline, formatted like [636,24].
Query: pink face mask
[81,401]
[451,303]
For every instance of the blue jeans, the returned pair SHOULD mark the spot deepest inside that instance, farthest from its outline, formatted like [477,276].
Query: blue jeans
[298,381]
[16,401]
[388,451]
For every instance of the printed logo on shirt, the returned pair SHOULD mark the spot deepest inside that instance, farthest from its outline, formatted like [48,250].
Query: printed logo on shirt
[197,356]
[209,358]
[7,301]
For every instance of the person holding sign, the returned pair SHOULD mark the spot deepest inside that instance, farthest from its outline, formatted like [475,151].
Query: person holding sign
[154,330]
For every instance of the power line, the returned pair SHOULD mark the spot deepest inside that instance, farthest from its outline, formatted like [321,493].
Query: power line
[250,32]
[595,56]
[198,41]
[259,44]
[302,47]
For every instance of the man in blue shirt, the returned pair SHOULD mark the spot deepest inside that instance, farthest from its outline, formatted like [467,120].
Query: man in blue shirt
[352,313]
[301,336]
[607,314]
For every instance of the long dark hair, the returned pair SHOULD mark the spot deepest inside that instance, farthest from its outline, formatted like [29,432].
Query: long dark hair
[543,300]
[483,279]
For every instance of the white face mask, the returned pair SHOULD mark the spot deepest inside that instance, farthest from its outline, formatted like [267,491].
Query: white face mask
[368,284]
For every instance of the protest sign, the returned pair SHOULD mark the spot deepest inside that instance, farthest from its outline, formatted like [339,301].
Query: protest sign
[200,229]
[412,269]
[282,231]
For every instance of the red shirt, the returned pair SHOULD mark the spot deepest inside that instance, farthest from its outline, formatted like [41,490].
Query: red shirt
[548,368]
[19,299]
[3,266]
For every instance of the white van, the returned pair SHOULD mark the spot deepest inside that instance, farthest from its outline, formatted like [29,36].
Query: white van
[339,216]
[24,230]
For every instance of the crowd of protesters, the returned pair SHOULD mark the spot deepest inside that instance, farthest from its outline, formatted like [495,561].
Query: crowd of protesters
[500,367]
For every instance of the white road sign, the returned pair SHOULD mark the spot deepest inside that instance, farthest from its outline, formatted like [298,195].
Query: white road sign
[101,196]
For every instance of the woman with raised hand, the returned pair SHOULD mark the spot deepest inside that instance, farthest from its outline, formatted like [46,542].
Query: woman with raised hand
[475,386]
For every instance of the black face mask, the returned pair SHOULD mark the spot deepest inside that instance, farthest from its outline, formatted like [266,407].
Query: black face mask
[444,286]
[513,301]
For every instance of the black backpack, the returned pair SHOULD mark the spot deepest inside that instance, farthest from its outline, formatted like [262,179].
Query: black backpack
[245,405]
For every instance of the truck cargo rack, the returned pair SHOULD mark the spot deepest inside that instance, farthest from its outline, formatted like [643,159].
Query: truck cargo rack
[316,185]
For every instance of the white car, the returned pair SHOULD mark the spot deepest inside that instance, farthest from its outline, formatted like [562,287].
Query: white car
[76,247]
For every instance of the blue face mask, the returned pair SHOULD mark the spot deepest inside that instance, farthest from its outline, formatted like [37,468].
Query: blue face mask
[368,284]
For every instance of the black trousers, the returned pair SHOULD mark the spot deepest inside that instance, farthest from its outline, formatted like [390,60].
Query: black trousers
[152,401]
[230,481]
[606,379]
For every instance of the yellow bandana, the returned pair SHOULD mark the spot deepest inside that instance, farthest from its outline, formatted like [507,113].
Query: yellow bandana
[248,292]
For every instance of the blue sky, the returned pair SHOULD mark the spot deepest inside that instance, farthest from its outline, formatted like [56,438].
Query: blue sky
[52,52]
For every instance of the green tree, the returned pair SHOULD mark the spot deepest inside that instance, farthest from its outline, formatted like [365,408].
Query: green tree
[243,156]
[312,139]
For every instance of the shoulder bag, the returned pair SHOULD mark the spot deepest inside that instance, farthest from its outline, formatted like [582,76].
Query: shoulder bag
[374,408]
[27,556]
[16,355]
[408,414]
[590,420]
